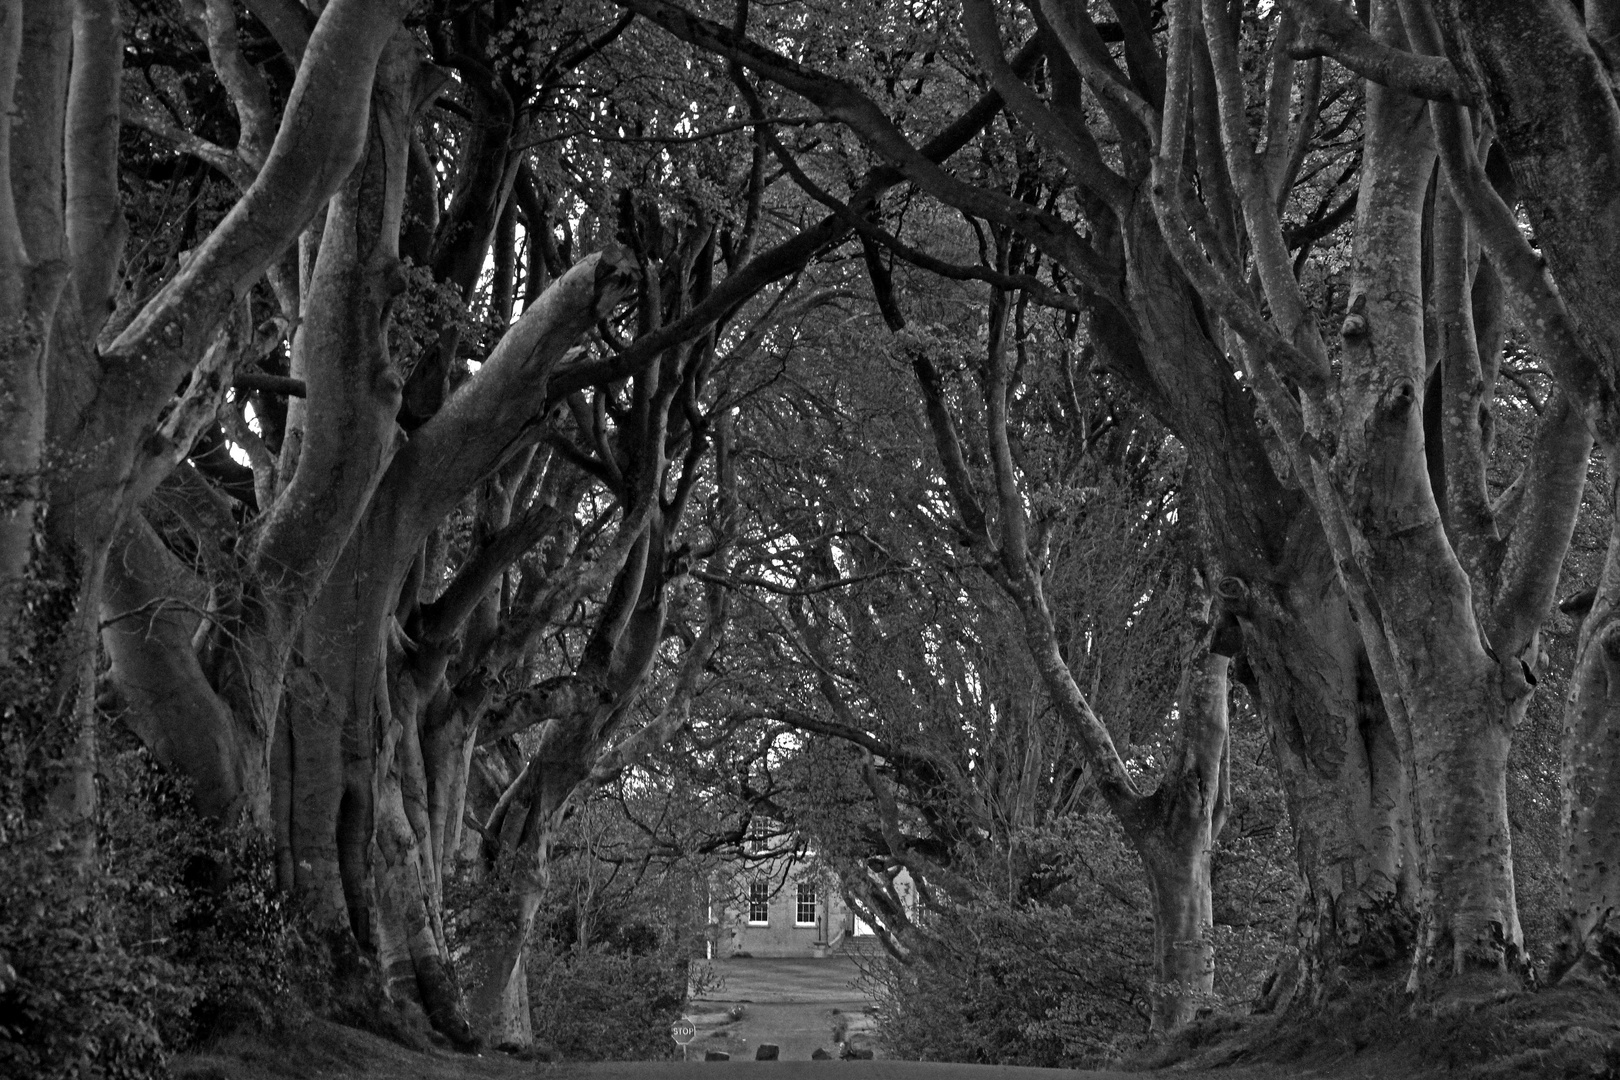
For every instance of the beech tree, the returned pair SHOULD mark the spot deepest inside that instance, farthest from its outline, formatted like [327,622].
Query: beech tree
[94,428]
[1449,584]
[1537,84]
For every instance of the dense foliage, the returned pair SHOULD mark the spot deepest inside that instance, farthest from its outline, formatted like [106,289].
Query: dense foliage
[1060,982]
[602,1003]
[177,935]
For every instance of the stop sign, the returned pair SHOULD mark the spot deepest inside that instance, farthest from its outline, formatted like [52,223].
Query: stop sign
[683,1031]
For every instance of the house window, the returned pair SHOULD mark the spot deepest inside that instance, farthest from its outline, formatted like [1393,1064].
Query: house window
[804,909]
[759,904]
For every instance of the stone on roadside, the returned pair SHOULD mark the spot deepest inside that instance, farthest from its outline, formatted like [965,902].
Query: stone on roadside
[767,1052]
[716,1055]
[820,1055]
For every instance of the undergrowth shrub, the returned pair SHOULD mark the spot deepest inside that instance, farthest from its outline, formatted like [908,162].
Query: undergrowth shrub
[605,1003]
[608,953]
[175,935]
[1060,981]
[202,897]
[76,1001]
[607,996]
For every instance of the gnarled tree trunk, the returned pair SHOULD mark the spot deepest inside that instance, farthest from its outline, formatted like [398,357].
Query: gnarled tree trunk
[1549,84]
[1343,779]
[1175,830]
[1590,951]
[356,749]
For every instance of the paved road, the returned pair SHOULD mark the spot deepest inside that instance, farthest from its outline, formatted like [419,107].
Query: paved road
[792,1002]
[816,1070]
[795,979]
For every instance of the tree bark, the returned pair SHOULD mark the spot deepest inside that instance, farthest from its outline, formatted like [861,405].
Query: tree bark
[1344,782]
[153,608]
[111,413]
[574,757]
[1558,121]
[1176,833]
[1172,830]
[22,367]
[1590,787]
[1342,779]
[500,1003]
[116,405]
[47,611]
[1452,701]
[1453,655]
[356,744]
[349,438]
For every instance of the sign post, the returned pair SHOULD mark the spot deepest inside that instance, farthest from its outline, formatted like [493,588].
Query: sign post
[683,1031]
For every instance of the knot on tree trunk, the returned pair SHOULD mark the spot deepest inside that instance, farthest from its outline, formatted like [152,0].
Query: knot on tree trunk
[1355,320]
[1354,326]
[1402,396]
[1576,605]
[1225,633]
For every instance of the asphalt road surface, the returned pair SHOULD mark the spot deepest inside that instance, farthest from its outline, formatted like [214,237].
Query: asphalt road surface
[816,1070]
[795,1003]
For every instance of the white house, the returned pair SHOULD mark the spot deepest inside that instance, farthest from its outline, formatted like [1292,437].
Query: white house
[783,907]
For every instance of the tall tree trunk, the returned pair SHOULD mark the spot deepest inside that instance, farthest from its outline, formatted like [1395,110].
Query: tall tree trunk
[348,439]
[55,173]
[1175,834]
[334,730]
[1452,702]
[33,272]
[355,749]
[594,700]
[111,411]
[1173,829]
[153,608]
[1338,764]
[1549,84]
[411,940]
[1447,608]
[1590,784]
[1344,782]
[500,1004]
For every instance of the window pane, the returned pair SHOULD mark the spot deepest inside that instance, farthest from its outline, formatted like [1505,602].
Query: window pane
[759,902]
[805,908]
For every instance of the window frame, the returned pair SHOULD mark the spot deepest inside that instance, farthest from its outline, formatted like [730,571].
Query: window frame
[799,902]
[763,890]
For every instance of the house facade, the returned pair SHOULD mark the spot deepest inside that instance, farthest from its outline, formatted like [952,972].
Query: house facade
[782,907]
